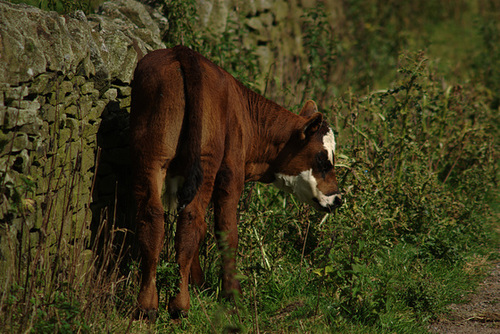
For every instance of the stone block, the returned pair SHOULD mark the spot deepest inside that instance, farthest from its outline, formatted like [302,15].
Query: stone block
[39,210]
[71,110]
[63,137]
[97,109]
[111,94]
[60,178]
[79,80]
[25,104]
[14,142]
[48,113]
[20,143]
[85,105]
[40,146]
[125,102]
[81,218]
[95,94]
[88,160]
[40,83]
[44,130]
[34,236]
[72,98]
[67,155]
[124,91]
[89,131]
[16,93]
[15,117]
[55,98]
[66,87]
[87,88]
[84,186]
[75,126]
[32,128]
[43,183]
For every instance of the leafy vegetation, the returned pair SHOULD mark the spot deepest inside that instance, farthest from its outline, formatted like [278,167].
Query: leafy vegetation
[417,159]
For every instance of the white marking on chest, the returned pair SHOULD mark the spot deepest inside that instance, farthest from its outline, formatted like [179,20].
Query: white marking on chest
[305,187]
[329,144]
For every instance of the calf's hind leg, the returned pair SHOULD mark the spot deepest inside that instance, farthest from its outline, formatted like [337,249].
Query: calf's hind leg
[191,230]
[150,234]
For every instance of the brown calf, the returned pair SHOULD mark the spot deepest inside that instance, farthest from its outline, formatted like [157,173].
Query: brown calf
[197,135]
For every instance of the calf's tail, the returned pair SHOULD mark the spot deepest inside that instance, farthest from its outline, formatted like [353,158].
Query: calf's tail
[190,150]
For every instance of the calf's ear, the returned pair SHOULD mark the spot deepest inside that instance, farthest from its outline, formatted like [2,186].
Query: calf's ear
[309,108]
[312,125]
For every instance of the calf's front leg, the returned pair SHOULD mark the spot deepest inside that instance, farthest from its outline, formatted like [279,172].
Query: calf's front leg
[226,197]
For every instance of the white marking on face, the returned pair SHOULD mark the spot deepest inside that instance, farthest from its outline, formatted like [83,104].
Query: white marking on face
[329,144]
[305,187]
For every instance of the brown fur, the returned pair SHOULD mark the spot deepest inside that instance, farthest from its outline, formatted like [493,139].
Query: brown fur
[190,118]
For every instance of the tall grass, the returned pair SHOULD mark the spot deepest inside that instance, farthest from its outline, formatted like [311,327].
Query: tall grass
[58,285]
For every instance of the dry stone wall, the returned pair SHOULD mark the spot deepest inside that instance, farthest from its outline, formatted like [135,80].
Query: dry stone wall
[64,100]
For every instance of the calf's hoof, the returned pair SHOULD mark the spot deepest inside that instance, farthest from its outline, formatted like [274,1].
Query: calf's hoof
[177,315]
[178,307]
[142,314]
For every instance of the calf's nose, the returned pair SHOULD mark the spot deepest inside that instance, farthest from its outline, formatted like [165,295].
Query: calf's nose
[337,202]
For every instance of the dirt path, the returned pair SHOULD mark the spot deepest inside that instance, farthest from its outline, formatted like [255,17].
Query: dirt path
[481,315]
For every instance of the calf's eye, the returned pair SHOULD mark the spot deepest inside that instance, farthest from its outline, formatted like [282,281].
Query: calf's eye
[324,165]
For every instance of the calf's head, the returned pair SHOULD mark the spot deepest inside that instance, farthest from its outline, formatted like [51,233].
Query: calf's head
[306,164]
